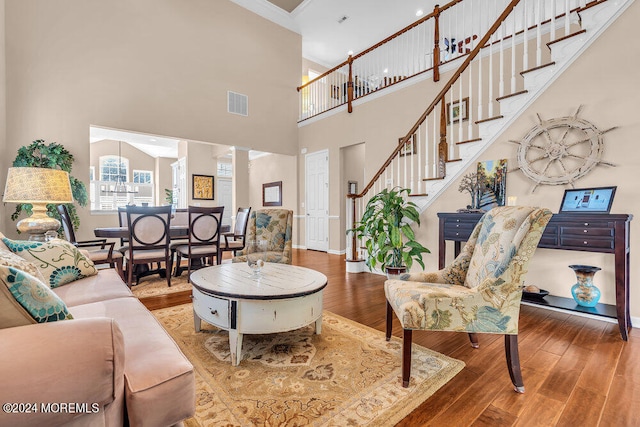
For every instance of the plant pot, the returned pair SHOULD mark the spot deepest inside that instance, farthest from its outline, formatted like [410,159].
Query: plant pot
[395,272]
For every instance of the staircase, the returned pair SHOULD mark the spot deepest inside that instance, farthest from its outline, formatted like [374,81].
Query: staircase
[528,46]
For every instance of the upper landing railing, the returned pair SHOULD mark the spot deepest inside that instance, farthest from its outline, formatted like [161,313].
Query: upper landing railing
[447,33]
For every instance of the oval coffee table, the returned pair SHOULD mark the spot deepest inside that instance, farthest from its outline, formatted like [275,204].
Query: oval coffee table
[282,298]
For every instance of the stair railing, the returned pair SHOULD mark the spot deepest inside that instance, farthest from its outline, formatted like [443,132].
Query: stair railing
[490,72]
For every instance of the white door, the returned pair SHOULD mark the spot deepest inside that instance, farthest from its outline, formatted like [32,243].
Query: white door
[224,199]
[317,200]
[179,174]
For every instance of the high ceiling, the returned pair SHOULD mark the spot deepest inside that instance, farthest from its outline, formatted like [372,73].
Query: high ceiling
[325,39]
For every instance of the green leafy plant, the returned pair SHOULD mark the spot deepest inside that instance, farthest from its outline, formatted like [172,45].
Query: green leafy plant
[53,156]
[386,230]
[168,196]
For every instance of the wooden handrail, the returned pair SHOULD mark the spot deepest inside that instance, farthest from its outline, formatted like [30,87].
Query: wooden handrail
[440,96]
[387,40]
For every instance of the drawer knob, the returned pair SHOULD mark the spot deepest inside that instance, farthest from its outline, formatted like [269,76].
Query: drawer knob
[585,242]
[215,312]
[457,234]
[585,231]
[586,224]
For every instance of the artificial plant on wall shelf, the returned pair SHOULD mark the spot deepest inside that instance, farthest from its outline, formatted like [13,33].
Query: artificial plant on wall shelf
[53,156]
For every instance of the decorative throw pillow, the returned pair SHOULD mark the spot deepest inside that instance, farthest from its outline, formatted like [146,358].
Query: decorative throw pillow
[36,298]
[58,260]
[10,259]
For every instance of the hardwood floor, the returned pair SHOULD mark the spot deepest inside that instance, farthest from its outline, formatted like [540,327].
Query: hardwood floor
[577,371]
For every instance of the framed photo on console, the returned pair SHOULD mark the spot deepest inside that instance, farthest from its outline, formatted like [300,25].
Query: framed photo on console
[588,200]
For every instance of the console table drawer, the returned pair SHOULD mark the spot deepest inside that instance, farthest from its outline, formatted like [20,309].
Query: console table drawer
[587,231]
[577,242]
[458,230]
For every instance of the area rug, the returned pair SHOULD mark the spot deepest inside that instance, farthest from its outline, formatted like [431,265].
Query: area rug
[155,285]
[348,375]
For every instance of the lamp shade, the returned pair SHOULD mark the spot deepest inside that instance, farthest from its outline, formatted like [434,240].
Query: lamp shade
[37,185]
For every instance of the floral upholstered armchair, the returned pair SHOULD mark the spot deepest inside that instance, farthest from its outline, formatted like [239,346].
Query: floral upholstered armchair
[479,292]
[274,227]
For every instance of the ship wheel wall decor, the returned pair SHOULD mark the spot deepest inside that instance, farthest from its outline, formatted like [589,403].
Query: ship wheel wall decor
[561,150]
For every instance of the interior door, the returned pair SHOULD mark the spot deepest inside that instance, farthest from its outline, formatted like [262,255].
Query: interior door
[224,199]
[317,200]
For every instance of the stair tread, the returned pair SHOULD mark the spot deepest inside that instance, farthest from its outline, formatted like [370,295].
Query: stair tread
[568,36]
[437,178]
[418,195]
[522,92]
[539,67]
[469,141]
[489,119]
[453,160]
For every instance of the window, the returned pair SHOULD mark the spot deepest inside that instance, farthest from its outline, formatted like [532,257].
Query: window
[225,169]
[142,177]
[114,169]
[92,173]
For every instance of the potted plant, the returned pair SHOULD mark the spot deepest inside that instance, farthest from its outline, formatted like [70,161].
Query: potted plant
[53,156]
[386,230]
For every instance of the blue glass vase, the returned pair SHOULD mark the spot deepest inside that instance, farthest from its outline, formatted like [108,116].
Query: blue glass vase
[584,292]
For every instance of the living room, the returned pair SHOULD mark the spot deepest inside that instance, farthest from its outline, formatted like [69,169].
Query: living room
[165,69]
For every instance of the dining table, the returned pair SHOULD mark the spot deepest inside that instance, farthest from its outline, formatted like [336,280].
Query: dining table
[175,232]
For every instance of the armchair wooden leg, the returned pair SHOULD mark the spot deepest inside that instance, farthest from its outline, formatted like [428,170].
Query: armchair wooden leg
[513,362]
[389,320]
[474,340]
[406,357]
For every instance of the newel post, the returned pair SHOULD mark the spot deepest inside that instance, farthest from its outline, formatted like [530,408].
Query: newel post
[436,43]
[354,241]
[350,86]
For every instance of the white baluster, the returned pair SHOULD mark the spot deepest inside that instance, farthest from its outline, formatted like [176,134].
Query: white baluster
[513,54]
[501,84]
[538,24]
[525,56]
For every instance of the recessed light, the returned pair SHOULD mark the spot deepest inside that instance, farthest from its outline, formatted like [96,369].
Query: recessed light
[419,12]
[152,139]
[386,70]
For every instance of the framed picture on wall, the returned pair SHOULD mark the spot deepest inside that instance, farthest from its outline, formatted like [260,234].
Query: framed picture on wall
[272,194]
[202,187]
[409,146]
[458,111]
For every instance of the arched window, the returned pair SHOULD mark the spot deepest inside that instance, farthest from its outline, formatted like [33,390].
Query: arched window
[114,169]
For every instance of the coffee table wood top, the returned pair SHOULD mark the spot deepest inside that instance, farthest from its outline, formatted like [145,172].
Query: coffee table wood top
[276,281]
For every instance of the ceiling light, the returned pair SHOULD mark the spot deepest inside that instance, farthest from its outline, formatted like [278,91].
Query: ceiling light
[153,140]
[350,52]
[342,19]
[419,12]
[386,70]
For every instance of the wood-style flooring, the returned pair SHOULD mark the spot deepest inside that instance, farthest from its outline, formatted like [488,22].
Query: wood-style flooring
[577,371]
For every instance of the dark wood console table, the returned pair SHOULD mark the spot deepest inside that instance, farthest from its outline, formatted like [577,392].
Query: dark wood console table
[574,232]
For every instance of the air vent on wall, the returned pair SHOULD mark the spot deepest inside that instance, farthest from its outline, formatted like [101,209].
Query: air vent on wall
[237,103]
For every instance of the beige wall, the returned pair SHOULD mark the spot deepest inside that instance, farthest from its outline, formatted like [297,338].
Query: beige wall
[351,169]
[161,67]
[273,168]
[7,157]
[604,79]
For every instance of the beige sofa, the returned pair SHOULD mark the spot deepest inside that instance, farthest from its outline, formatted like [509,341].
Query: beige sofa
[112,365]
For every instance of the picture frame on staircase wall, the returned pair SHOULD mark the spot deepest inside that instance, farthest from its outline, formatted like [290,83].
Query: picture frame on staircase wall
[409,146]
[458,110]
[491,183]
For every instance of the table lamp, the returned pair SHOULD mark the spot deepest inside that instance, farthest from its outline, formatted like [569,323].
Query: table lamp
[38,186]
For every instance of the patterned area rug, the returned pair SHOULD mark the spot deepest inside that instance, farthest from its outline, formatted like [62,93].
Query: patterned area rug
[151,286]
[348,375]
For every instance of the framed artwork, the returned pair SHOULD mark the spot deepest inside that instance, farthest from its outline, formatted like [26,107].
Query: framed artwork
[492,183]
[457,111]
[409,146]
[272,194]
[202,187]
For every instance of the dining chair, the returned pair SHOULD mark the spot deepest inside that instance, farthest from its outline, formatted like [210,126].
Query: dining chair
[102,253]
[479,292]
[204,238]
[235,240]
[273,226]
[122,221]
[148,231]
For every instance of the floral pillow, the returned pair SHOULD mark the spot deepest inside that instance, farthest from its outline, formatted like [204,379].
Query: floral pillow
[10,259]
[32,296]
[58,260]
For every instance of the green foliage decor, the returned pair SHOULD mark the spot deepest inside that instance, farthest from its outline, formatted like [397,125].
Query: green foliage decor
[386,230]
[53,156]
